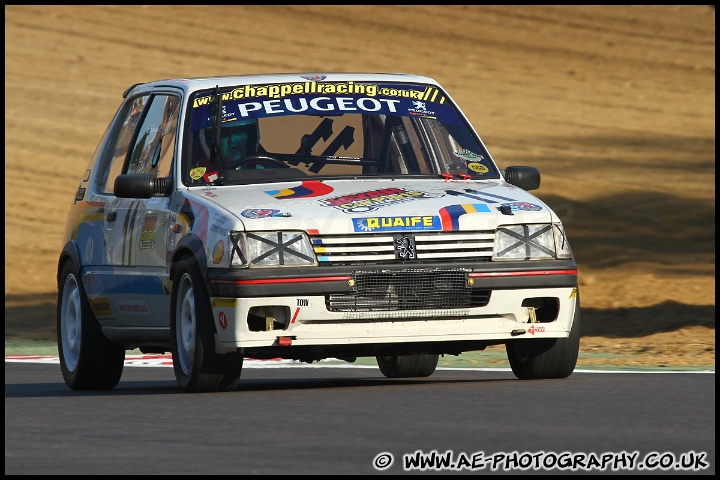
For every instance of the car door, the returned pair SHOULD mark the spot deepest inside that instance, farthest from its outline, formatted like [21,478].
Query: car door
[136,229]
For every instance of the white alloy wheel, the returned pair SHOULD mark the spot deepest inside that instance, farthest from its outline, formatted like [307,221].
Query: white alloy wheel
[187,324]
[71,322]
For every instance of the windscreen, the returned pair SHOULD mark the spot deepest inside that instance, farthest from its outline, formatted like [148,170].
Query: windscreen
[336,129]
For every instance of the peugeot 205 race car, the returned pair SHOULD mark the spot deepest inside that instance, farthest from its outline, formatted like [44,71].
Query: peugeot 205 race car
[307,216]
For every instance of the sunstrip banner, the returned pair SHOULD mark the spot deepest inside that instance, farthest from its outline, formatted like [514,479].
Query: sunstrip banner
[313,98]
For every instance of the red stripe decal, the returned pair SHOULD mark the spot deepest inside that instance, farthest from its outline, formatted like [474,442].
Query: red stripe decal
[524,274]
[281,280]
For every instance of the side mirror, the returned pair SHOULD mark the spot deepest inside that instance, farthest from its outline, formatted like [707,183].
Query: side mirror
[527,178]
[141,185]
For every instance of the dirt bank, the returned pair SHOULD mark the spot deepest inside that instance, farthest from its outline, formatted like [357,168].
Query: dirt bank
[615,106]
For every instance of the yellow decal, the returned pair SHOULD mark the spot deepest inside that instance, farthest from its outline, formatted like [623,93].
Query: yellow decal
[478,167]
[101,307]
[224,302]
[197,173]
[218,251]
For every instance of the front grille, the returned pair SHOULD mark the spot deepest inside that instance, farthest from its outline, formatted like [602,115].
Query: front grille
[392,294]
[379,248]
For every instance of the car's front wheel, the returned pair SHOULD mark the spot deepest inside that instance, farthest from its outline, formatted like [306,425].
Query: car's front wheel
[399,366]
[88,360]
[547,358]
[198,368]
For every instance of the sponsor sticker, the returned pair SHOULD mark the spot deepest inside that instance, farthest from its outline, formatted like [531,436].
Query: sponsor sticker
[372,200]
[101,307]
[133,307]
[224,302]
[197,173]
[147,234]
[517,206]
[477,167]
[394,224]
[263,213]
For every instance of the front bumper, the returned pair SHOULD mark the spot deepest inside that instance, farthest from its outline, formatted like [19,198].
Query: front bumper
[329,311]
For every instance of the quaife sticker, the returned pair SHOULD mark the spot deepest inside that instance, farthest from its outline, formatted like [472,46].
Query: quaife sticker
[394,224]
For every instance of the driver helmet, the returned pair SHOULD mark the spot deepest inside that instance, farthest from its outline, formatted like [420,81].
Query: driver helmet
[238,139]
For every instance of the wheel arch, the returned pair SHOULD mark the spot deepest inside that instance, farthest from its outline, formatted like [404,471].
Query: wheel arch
[70,252]
[191,246]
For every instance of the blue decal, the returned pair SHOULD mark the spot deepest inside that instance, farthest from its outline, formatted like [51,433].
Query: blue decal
[108,282]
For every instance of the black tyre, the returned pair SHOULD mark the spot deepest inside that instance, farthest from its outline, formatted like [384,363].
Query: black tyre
[399,366]
[551,358]
[198,368]
[88,360]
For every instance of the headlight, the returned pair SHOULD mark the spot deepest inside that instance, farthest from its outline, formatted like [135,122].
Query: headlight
[271,249]
[531,242]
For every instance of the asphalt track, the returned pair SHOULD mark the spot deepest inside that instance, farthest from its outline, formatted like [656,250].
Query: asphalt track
[288,418]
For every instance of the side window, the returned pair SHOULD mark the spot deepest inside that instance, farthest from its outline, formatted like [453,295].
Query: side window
[169,131]
[122,142]
[154,144]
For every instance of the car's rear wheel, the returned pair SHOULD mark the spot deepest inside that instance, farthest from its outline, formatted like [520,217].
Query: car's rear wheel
[88,360]
[399,366]
[547,358]
[197,366]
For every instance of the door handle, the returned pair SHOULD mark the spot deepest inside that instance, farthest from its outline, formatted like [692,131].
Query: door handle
[111,216]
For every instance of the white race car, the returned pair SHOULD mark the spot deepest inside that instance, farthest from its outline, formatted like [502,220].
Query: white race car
[307,216]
